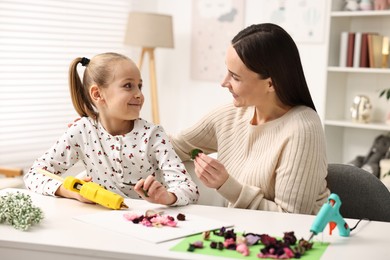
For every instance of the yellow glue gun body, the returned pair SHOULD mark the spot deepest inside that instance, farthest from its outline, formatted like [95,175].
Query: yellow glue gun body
[94,192]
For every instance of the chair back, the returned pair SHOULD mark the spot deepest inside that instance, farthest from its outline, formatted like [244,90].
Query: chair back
[362,194]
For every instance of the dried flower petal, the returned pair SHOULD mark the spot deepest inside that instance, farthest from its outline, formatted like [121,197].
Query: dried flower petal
[206,235]
[198,244]
[241,240]
[243,249]
[230,243]
[220,232]
[191,248]
[267,240]
[216,245]
[252,239]
[152,219]
[130,217]
[289,238]
[213,244]
[181,217]
[305,244]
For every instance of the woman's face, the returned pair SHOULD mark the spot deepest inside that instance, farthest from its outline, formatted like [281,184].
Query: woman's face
[123,97]
[246,86]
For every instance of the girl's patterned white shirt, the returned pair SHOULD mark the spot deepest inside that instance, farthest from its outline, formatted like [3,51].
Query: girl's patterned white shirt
[115,162]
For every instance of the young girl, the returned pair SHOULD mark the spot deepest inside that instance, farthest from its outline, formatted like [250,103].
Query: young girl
[118,149]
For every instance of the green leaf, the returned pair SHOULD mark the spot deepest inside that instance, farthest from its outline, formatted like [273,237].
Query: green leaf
[195,153]
[386,93]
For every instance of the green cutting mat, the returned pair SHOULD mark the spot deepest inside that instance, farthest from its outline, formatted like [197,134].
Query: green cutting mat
[314,253]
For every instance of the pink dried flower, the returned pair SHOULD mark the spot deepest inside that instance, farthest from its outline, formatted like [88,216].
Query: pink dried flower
[229,243]
[267,240]
[171,224]
[243,249]
[151,219]
[146,222]
[130,217]
[288,252]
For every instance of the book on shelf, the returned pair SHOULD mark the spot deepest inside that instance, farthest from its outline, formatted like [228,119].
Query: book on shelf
[364,51]
[375,50]
[361,49]
[350,48]
[343,49]
[385,52]
[356,50]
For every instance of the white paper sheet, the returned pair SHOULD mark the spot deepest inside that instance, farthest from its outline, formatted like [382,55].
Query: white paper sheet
[115,221]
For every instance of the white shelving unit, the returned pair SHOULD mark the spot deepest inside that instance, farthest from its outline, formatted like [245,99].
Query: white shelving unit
[346,139]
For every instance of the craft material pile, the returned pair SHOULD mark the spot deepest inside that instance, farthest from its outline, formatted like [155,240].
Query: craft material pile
[154,219]
[285,248]
[16,209]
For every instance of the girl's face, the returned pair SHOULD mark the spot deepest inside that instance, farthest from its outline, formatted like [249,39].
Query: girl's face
[246,86]
[123,99]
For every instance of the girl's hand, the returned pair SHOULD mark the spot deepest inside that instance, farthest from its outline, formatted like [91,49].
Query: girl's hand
[62,192]
[210,171]
[153,191]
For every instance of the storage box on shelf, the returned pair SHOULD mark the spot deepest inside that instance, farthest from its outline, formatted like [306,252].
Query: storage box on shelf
[345,138]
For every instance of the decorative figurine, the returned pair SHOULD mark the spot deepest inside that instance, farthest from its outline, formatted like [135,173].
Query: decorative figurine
[365,5]
[381,4]
[351,5]
[361,109]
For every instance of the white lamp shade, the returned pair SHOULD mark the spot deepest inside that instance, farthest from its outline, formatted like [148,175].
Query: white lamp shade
[149,30]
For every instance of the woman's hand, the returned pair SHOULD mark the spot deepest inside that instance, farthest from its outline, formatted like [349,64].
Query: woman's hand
[153,191]
[210,171]
[62,192]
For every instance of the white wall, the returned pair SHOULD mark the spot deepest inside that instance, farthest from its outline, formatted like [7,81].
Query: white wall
[182,100]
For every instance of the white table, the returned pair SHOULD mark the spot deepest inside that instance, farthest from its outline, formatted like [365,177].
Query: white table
[59,236]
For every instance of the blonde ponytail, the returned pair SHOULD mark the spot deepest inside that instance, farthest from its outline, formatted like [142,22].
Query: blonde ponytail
[79,93]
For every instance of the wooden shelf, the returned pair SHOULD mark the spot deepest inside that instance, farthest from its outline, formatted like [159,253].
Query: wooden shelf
[359,70]
[347,123]
[346,139]
[349,14]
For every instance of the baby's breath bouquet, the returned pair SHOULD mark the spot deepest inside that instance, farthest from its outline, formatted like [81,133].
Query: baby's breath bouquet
[16,209]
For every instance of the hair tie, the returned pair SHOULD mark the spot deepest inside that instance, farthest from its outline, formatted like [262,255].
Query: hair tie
[84,61]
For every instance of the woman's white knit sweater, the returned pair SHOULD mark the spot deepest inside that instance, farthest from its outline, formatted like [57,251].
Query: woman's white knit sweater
[277,166]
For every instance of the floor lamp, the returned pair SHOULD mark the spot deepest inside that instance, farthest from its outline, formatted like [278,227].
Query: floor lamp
[150,30]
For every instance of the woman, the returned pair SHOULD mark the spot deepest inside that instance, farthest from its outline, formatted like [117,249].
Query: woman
[270,141]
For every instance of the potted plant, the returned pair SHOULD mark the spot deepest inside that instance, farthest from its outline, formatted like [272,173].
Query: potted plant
[386,93]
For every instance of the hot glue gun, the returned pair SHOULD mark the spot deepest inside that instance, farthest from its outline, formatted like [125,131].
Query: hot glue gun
[91,191]
[330,213]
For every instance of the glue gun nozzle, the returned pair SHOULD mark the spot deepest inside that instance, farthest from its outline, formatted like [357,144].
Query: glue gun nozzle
[311,237]
[124,206]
